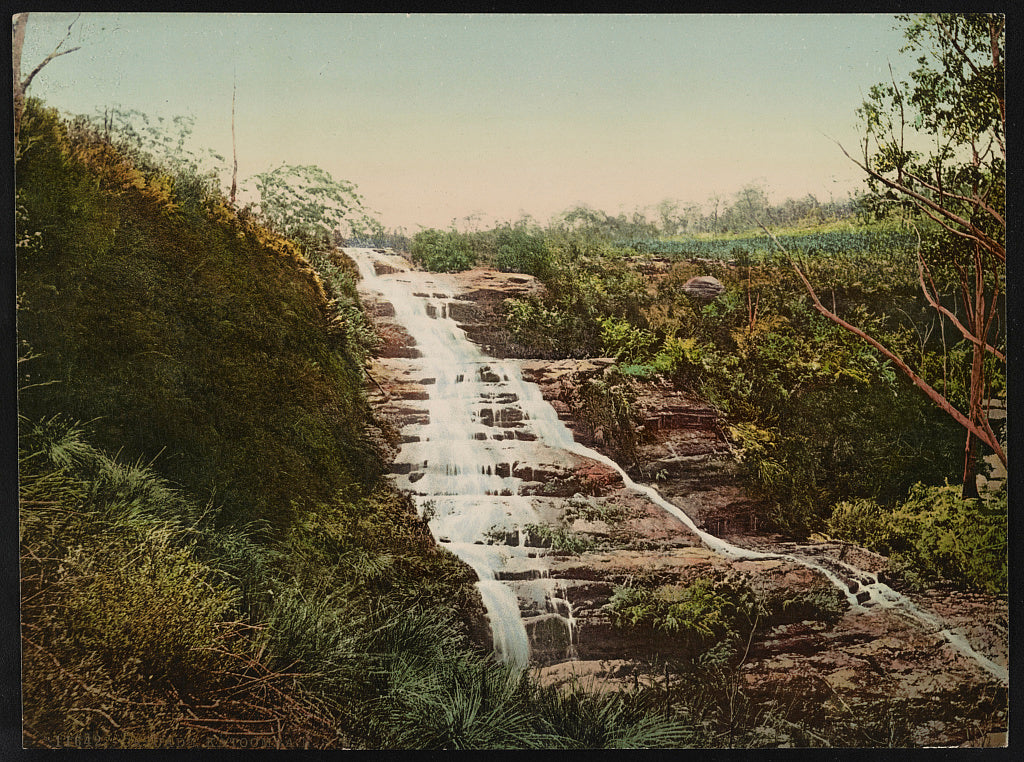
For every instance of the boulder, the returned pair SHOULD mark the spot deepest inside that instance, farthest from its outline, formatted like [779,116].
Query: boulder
[703,287]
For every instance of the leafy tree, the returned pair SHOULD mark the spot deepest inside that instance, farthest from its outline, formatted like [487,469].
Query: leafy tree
[935,148]
[670,216]
[305,201]
[520,250]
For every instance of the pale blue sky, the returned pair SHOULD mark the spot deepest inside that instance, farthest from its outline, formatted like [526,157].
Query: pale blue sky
[436,117]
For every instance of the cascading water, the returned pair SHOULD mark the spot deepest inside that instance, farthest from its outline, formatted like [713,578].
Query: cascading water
[459,464]
[484,419]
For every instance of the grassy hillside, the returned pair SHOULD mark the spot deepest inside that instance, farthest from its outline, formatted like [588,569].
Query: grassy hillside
[189,334]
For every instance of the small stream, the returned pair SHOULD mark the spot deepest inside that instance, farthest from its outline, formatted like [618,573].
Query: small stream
[484,423]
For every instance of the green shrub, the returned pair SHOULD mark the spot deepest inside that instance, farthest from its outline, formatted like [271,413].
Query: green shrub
[442,251]
[520,251]
[579,718]
[586,509]
[559,539]
[626,343]
[700,614]
[934,535]
[827,604]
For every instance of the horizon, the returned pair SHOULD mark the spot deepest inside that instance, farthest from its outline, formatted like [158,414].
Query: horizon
[442,118]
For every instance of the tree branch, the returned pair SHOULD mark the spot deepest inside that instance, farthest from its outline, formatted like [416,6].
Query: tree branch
[980,432]
[57,52]
[985,240]
[955,43]
[976,201]
[932,299]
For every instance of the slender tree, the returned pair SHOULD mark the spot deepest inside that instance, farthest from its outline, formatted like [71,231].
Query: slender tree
[935,149]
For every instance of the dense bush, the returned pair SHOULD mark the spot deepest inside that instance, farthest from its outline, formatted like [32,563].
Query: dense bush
[198,338]
[442,251]
[522,251]
[585,282]
[934,535]
[700,615]
[826,604]
[816,414]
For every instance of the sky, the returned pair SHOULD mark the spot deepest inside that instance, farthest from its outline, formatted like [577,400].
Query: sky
[438,118]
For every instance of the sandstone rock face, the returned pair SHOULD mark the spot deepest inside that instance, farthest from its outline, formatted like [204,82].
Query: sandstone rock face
[601,534]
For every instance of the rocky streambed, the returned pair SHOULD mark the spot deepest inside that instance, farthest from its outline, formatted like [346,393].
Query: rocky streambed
[564,529]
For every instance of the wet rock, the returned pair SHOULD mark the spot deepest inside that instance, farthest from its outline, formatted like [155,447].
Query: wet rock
[550,637]
[828,671]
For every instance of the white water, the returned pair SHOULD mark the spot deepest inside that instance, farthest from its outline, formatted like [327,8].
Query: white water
[461,466]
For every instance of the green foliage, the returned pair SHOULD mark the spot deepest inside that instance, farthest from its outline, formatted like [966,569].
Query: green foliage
[585,282]
[817,415]
[123,587]
[826,604]
[520,251]
[878,253]
[700,614]
[306,202]
[559,539]
[627,344]
[934,535]
[608,405]
[547,331]
[439,698]
[462,704]
[957,92]
[828,417]
[442,251]
[935,147]
[588,510]
[148,601]
[349,325]
[194,334]
[156,141]
[584,719]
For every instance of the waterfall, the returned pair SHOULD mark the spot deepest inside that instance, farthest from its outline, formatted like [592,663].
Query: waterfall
[483,420]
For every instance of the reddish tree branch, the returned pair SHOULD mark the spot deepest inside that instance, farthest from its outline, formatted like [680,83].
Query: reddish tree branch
[984,433]
[988,242]
[931,295]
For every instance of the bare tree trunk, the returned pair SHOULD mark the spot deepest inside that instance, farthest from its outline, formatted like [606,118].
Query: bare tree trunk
[21,85]
[18,42]
[978,416]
